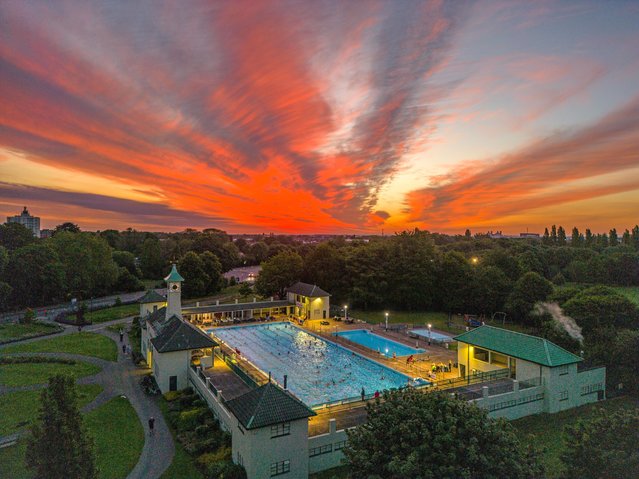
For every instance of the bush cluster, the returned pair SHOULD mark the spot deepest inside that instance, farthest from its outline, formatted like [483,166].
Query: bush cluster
[201,436]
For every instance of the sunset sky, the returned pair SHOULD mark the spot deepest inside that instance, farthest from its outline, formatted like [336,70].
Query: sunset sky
[320,116]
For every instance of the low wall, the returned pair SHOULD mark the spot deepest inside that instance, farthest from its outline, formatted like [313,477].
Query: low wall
[515,404]
[325,450]
[213,398]
[591,384]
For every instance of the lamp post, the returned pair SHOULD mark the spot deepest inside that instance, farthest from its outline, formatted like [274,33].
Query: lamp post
[345,312]
[386,314]
[429,333]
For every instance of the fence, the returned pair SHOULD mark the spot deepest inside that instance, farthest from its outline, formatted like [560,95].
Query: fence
[477,378]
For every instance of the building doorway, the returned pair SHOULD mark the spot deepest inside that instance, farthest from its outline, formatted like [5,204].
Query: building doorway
[172,383]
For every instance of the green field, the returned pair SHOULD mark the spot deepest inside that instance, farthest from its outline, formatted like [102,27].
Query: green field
[19,409]
[118,437]
[87,344]
[630,292]
[110,314]
[23,331]
[24,374]
[547,429]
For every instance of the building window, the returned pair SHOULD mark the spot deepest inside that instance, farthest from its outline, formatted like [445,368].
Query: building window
[563,370]
[282,467]
[316,451]
[283,429]
[563,396]
[480,354]
[340,445]
[498,359]
[591,388]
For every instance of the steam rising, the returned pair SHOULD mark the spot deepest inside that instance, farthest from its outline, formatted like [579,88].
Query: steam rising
[565,322]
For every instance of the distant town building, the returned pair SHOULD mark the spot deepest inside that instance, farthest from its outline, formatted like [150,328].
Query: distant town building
[46,233]
[25,219]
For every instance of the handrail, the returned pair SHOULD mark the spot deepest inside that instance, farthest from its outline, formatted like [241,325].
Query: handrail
[473,379]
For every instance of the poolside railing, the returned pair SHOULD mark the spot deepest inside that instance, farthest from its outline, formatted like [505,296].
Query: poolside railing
[480,377]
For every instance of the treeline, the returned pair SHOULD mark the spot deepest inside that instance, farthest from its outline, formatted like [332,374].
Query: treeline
[76,264]
[422,271]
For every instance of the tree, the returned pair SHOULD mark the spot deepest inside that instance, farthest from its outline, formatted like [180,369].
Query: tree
[151,260]
[29,316]
[5,295]
[415,435]
[528,290]
[589,240]
[36,275]
[600,306]
[575,238]
[553,234]
[88,263]
[467,234]
[546,237]
[127,282]
[196,280]
[259,252]
[213,269]
[613,238]
[126,260]
[15,235]
[561,236]
[505,261]
[245,289]
[455,275]
[68,227]
[602,446]
[279,272]
[325,266]
[60,423]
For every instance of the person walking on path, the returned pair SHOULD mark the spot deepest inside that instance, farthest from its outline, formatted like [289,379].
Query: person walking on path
[151,424]
[121,335]
[363,394]
[123,349]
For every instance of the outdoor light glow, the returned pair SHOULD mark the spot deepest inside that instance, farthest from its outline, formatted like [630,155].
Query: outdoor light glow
[475,260]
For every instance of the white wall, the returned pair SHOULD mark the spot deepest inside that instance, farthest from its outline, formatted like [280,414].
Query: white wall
[148,308]
[333,439]
[165,365]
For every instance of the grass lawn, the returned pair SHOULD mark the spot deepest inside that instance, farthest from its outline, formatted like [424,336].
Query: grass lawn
[23,331]
[18,409]
[87,344]
[183,464]
[111,314]
[630,292]
[24,374]
[547,429]
[118,435]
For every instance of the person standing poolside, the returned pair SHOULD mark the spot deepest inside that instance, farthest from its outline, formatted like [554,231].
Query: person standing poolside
[363,394]
[151,425]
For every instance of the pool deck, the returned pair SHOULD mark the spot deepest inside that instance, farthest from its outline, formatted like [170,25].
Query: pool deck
[435,353]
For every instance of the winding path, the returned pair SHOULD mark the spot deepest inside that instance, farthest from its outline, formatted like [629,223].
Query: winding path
[119,378]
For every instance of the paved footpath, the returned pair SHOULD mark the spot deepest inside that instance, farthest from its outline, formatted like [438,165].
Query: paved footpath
[120,378]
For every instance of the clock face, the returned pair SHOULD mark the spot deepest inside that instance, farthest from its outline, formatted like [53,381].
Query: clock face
[175,287]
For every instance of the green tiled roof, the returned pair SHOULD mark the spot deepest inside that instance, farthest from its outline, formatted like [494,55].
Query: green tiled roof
[308,290]
[518,345]
[267,405]
[174,275]
[178,335]
[152,296]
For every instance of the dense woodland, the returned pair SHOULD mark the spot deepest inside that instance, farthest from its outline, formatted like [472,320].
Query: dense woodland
[415,270]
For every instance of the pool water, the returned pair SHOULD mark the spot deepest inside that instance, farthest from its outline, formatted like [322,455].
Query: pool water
[382,345]
[319,371]
[423,333]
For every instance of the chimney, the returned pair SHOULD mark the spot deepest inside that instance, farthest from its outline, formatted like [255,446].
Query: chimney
[254,299]
[269,376]
[271,298]
[197,304]
[285,382]
[236,301]
[217,302]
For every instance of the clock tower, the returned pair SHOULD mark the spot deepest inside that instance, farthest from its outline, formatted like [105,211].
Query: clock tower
[174,293]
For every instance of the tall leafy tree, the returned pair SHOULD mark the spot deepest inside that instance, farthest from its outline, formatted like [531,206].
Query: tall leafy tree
[589,239]
[561,236]
[213,269]
[125,259]
[528,289]
[603,446]
[68,227]
[196,279]
[88,263]
[325,266]
[411,435]
[575,238]
[152,261]
[279,272]
[59,446]
[15,235]
[613,238]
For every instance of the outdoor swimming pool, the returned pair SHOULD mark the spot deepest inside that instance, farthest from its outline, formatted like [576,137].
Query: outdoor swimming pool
[378,343]
[437,337]
[319,371]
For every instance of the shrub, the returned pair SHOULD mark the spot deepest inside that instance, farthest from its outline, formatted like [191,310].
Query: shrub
[34,359]
[118,301]
[187,400]
[172,395]
[189,420]
[149,386]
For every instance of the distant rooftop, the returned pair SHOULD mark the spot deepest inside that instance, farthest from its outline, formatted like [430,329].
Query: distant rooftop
[174,276]
[308,290]
[178,335]
[152,296]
